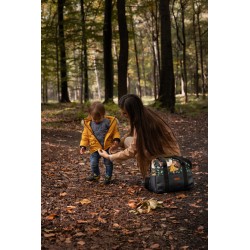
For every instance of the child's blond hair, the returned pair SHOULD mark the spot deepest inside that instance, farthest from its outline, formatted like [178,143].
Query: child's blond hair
[97,110]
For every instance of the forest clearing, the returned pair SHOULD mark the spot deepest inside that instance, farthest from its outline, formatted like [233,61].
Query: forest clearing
[77,214]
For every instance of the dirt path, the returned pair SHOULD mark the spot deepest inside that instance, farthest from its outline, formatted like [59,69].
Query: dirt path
[81,215]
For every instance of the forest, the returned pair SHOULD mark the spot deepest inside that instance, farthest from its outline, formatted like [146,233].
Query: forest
[101,50]
[104,49]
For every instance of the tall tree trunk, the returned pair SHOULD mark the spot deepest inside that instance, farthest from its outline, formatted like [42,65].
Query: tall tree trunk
[107,49]
[183,6]
[167,85]
[157,35]
[63,68]
[196,75]
[57,66]
[129,84]
[76,81]
[97,78]
[178,70]
[45,81]
[182,43]
[123,56]
[201,52]
[143,65]
[136,55]
[84,58]
[154,71]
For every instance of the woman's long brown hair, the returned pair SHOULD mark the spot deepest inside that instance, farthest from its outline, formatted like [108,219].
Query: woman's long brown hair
[153,133]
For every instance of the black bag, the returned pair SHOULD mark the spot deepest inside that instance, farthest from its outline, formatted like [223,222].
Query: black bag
[170,174]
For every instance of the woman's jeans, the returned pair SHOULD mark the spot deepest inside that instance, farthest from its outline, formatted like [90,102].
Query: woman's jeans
[94,164]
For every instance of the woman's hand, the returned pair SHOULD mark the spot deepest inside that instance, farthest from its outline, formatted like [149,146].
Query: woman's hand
[103,153]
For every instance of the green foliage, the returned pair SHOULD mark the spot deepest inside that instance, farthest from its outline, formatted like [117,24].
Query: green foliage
[194,106]
[54,114]
[145,16]
[112,109]
[65,111]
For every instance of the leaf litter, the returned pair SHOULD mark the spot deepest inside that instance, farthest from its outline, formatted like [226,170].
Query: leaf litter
[84,215]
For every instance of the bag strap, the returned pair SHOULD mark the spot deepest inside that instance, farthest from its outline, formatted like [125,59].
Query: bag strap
[183,161]
[165,172]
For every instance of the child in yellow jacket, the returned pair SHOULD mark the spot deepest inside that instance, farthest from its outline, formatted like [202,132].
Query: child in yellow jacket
[100,132]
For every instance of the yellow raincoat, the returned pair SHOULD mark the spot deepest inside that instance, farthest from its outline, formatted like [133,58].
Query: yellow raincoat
[89,139]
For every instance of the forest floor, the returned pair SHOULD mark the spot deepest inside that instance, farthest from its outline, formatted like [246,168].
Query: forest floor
[77,214]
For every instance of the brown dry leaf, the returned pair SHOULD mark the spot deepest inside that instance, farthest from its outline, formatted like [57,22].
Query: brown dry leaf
[184,247]
[51,216]
[48,230]
[81,242]
[48,235]
[117,211]
[181,196]
[173,207]
[175,222]
[116,225]
[200,229]
[155,246]
[70,209]
[93,213]
[68,240]
[69,228]
[132,204]
[144,229]
[63,194]
[85,201]
[131,190]
[126,231]
[79,234]
[92,229]
[144,206]
[82,221]
[102,220]
[153,203]
[131,241]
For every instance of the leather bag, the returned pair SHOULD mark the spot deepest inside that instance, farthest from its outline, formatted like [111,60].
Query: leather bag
[170,174]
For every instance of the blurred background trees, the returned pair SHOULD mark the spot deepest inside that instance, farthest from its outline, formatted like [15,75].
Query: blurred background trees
[104,49]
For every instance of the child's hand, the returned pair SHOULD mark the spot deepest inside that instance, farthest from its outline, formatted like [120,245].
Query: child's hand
[82,150]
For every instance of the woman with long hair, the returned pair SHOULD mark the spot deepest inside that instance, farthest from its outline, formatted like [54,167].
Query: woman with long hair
[152,136]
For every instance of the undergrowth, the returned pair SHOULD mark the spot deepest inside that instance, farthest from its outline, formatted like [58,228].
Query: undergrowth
[76,111]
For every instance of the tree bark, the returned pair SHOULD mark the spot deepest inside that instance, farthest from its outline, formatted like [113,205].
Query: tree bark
[57,66]
[136,55]
[107,50]
[143,65]
[123,55]
[201,52]
[167,85]
[183,6]
[84,58]
[182,43]
[63,64]
[196,75]
[97,78]
[157,35]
